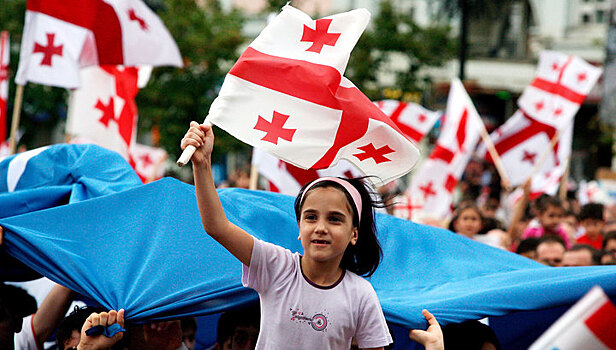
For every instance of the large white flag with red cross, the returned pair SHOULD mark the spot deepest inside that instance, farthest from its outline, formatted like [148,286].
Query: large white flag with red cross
[287,95]
[432,187]
[5,55]
[62,36]
[288,179]
[547,106]
[589,324]
[414,120]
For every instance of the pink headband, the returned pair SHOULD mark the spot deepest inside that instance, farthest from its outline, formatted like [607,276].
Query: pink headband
[351,190]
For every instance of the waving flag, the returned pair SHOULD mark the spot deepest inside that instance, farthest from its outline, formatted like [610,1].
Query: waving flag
[149,161]
[547,106]
[287,95]
[414,120]
[288,179]
[5,55]
[433,185]
[470,281]
[589,324]
[62,36]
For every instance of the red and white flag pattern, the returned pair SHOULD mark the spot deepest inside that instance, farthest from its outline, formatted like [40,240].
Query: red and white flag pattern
[149,161]
[548,105]
[103,110]
[589,325]
[287,95]
[5,54]
[414,120]
[433,185]
[62,36]
[288,179]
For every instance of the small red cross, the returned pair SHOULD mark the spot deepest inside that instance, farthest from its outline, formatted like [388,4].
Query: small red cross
[558,111]
[108,111]
[319,36]
[49,50]
[274,129]
[529,157]
[133,17]
[4,72]
[427,190]
[539,106]
[378,154]
[555,66]
[408,206]
[147,161]
[348,174]
[422,118]
[450,183]
[581,77]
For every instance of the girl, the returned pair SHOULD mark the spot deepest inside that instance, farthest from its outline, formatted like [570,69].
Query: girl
[549,213]
[468,221]
[311,301]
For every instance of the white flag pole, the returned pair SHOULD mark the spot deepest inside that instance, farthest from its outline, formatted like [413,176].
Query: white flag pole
[189,150]
[19,95]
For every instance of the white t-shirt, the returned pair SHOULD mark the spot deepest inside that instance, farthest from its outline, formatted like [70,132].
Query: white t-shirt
[297,314]
[25,339]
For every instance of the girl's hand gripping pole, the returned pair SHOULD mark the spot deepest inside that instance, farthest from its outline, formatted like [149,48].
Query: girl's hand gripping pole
[188,151]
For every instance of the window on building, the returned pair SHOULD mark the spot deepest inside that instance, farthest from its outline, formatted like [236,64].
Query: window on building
[600,16]
[586,18]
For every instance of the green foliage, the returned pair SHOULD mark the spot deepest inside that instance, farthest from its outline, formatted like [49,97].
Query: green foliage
[395,34]
[208,39]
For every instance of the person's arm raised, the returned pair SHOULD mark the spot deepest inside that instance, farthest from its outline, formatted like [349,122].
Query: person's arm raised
[237,241]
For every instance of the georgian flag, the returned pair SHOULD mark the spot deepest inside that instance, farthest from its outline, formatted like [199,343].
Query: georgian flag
[414,120]
[62,36]
[559,88]
[103,110]
[149,161]
[5,54]
[432,187]
[589,325]
[288,179]
[287,95]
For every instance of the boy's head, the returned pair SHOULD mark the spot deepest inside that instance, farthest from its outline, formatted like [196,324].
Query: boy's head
[551,250]
[591,218]
[581,255]
[69,329]
[549,211]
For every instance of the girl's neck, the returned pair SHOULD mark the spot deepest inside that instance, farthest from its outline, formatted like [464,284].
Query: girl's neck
[321,273]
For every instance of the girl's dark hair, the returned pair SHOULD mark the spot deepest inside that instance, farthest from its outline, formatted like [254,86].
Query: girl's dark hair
[544,201]
[462,207]
[364,257]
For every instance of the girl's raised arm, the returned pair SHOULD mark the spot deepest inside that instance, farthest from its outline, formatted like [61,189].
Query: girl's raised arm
[237,241]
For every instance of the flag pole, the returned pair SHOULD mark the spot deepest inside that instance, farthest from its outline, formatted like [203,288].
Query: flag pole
[564,181]
[545,155]
[19,95]
[189,151]
[254,177]
[498,163]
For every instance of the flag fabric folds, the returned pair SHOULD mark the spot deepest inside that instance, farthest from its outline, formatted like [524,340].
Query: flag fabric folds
[5,55]
[136,257]
[62,36]
[414,120]
[432,186]
[589,324]
[287,95]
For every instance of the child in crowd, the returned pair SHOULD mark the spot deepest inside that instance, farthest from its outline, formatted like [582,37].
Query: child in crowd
[468,221]
[549,213]
[591,219]
[316,300]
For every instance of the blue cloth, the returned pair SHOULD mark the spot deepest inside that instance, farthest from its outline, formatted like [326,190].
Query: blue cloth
[144,250]
[108,331]
[51,176]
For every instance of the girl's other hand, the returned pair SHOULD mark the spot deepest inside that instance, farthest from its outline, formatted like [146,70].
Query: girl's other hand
[431,338]
[201,137]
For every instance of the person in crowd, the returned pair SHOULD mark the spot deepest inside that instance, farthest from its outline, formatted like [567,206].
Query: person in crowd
[15,305]
[528,248]
[432,337]
[582,255]
[468,222]
[68,333]
[238,329]
[100,341]
[591,219]
[609,248]
[571,225]
[470,335]
[189,331]
[551,250]
[549,213]
[302,308]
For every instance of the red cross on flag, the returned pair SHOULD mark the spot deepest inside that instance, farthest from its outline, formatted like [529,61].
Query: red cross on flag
[414,120]
[103,110]
[62,36]
[4,82]
[589,324]
[433,185]
[559,88]
[287,95]
[288,179]
[149,161]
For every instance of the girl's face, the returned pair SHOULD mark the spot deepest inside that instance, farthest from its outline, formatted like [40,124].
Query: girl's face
[468,223]
[551,218]
[326,225]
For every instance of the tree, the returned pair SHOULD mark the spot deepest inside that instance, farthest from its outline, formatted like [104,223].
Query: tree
[208,39]
[395,35]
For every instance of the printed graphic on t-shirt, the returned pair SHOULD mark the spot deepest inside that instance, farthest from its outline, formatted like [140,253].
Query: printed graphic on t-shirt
[317,321]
